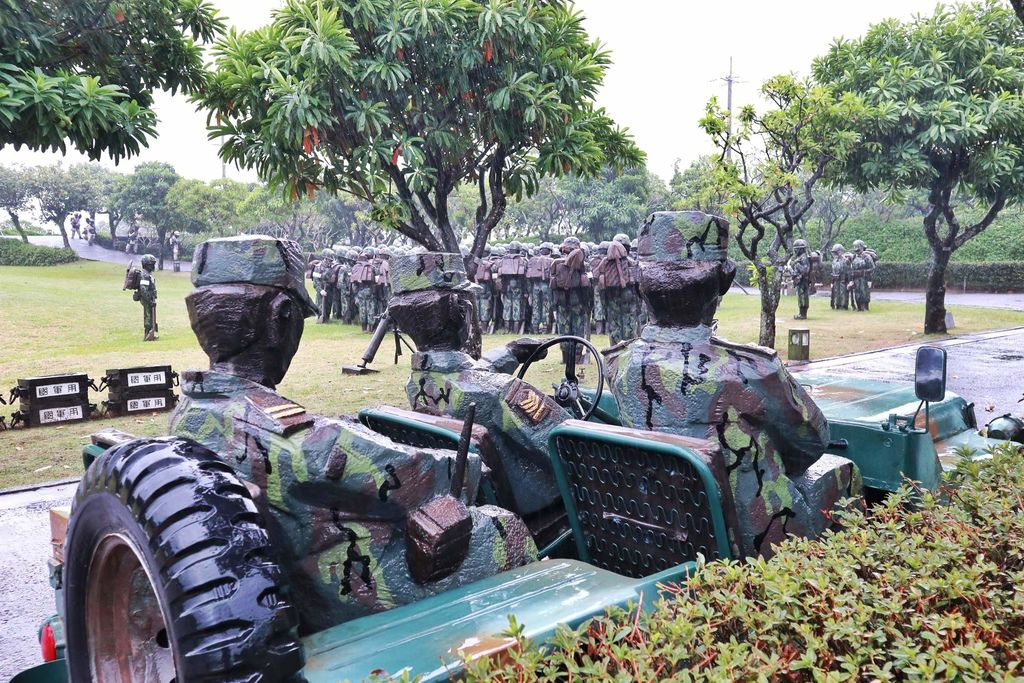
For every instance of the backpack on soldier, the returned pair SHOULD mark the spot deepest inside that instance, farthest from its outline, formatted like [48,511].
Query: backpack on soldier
[363,273]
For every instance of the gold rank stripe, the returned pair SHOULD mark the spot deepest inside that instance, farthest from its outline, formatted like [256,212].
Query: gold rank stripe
[285,410]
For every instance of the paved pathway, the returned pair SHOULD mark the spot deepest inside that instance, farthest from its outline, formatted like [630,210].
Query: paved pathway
[25,595]
[986,368]
[1013,300]
[98,253]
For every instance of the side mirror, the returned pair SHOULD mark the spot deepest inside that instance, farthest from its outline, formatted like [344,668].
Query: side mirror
[930,374]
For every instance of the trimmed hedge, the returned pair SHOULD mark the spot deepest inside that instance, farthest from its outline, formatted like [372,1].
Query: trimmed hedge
[979,277]
[930,592]
[14,252]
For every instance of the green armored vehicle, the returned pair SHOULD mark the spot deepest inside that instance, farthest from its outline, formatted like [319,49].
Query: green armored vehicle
[262,543]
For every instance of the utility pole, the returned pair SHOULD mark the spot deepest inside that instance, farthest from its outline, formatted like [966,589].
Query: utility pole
[729,80]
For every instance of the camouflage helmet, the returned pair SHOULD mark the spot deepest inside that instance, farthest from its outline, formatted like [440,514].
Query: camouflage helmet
[799,244]
[487,250]
[383,251]
[498,250]
[428,270]
[148,260]
[253,259]
[602,248]
[515,247]
[623,239]
[838,248]
[570,243]
[858,245]
[684,236]
[352,253]
[546,245]
[327,253]
[370,252]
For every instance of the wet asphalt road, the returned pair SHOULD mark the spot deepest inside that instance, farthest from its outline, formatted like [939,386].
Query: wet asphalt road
[25,595]
[984,368]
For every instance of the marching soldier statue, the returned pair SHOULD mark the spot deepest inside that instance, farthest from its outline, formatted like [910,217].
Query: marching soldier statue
[861,269]
[571,293]
[175,243]
[512,273]
[802,276]
[538,278]
[840,278]
[146,295]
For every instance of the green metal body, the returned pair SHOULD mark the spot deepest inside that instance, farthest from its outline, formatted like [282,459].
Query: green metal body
[431,637]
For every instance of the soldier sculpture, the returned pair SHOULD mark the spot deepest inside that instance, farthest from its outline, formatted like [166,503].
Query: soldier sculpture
[860,274]
[840,278]
[617,277]
[571,293]
[146,295]
[512,274]
[538,276]
[679,378]
[800,265]
[338,494]
[435,305]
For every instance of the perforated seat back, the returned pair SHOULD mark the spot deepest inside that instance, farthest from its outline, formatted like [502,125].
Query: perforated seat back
[641,502]
[408,428]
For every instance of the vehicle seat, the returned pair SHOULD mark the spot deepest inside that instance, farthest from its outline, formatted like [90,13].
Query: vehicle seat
[640,502]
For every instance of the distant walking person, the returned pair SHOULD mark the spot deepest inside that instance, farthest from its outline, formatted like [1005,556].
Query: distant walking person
[145,294]
[76,225]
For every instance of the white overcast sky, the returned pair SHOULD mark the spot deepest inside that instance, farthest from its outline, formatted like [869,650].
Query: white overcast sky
[668,58]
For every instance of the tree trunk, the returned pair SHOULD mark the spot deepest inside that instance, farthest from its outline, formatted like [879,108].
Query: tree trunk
[935,296]
[160,232]
[16,222]
[63,230]
[771,288]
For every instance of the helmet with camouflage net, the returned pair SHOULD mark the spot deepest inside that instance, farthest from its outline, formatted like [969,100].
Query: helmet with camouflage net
[498,250]
[384,252]
[257,260]
[838,248]
[546,246]
[515,247]
[623,239]
[148,260]
[570,243]
[327,253]
[684,236]
[370,252]
[799,245]
[603,247]
[858,245]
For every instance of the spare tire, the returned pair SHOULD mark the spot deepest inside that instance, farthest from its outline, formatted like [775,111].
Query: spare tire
[169,575]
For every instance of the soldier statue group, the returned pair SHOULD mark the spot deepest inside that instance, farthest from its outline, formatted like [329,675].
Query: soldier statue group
[851,276]
[578,290]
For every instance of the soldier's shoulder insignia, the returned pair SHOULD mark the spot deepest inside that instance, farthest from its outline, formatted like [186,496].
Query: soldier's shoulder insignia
[291,417]
[527,402]
[748,349]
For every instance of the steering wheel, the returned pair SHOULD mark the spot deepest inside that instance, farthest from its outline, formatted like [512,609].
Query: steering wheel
[567,392]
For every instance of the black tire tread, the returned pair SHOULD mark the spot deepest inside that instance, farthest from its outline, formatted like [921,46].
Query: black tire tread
[203,529]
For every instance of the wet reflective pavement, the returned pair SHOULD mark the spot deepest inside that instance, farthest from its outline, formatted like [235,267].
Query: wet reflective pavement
[985,368]
[25,594]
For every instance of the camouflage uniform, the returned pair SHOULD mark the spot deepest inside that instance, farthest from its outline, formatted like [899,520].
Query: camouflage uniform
[860,273]
[800,265]
[342,280]
[617,276]
[485,278]
[364,281]
[599,316]
[538,274]
[434,305]
[325,277]
[512,273]
[146,295]
[680,379]
[571,293]
[840,278]
[336,494]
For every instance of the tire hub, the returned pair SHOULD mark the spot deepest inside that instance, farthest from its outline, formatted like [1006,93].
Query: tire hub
[128,638]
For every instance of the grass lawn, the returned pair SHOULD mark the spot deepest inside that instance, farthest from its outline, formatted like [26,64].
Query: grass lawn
[75,318]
